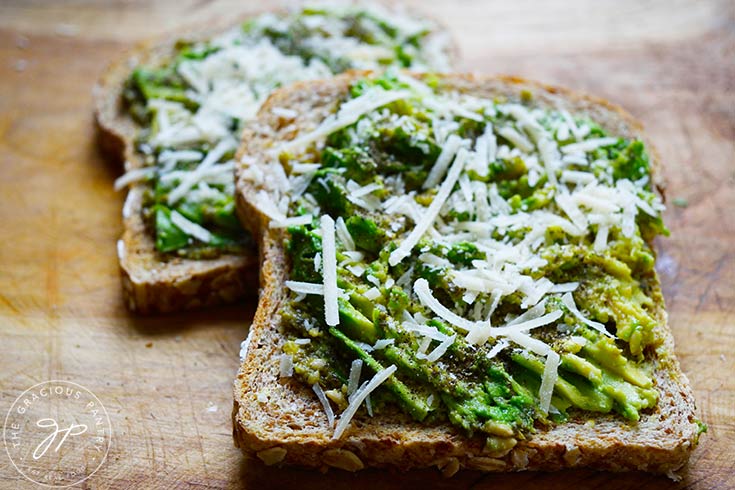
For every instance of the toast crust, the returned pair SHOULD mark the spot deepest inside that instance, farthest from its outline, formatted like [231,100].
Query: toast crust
[281,422]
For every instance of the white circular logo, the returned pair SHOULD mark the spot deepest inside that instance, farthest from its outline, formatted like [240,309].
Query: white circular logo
[57,433]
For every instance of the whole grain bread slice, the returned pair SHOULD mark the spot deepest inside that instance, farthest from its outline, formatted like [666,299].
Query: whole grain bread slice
[282,422]
[155,282]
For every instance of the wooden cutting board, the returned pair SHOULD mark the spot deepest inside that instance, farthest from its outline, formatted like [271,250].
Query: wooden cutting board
[166,381]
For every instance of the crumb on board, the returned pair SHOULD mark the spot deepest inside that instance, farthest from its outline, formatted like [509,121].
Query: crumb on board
[680,202]
[66,30]
[21,41]
[149,345]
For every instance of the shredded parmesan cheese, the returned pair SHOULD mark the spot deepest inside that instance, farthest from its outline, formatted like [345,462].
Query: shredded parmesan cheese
[548,380]
[133,176]
[383,343]
[516,138]
[284,113]
[372,294]
[294,221]
[530,324]
[359,397]
[344,235]
[422,290]
[354,378]
[497,348]
[566,287]
[329,259]
[305,287]
[588,145]
[348,114]
[534,345]
[428,218]
[191,178]
[191,228]
[451,146]
[244,346]
[568,301]
[286,366]
[325,403]
[439,351]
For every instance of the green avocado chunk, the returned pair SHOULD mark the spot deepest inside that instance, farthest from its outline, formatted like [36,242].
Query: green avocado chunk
[604,352]
[580,394]
[355,323]
[415,406]
[366,233]
[161,84]
[608,289]
[169,236]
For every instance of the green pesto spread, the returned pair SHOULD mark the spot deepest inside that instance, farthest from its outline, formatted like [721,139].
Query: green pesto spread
[192,107]
[550,217]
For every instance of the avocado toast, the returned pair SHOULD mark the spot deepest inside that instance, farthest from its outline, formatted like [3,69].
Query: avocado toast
[173,112]
[457,272]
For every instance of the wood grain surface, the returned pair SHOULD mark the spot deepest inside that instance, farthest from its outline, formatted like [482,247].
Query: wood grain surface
[166,381]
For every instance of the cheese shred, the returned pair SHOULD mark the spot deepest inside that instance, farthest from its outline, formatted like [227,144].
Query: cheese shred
[325,403]
[404,250]
[549,380]
[358,398]
[329,264]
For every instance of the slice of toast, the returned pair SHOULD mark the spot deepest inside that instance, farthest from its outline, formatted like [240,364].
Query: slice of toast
[281,421]
[154,282]
[162,282]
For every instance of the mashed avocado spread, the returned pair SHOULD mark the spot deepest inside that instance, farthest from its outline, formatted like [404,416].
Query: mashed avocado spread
[192,107]
[484,262]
